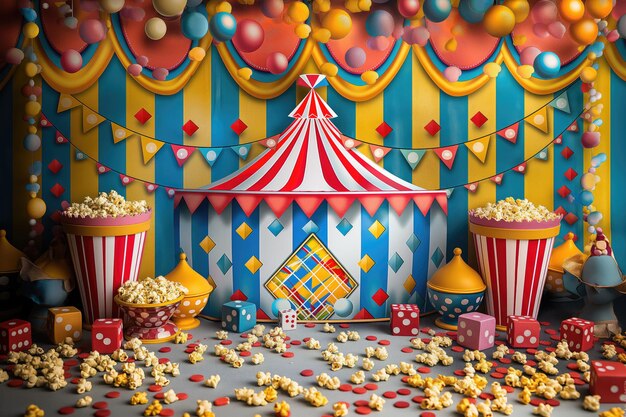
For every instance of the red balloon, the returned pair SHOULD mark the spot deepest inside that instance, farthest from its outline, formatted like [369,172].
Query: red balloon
[71,60]
[276,62]
[92,31]
[249,35]
[272,8]
[408,8]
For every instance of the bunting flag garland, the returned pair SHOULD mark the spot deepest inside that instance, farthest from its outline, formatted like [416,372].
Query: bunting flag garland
[91,119]
[269,142]
[350,143]
[44,122]
[66,102]
[509,133]
[210,154]
[412,157]
[150,187]
[521,168]
[472,187]
[561,103]
[149,148]
[539,119]
[79,155]
[242,151]
[447,155]
[101,169]
[479,148]
[59,138]
[379,152]
[119,133]
[125,179]
[182,153]
[542,155]
[497,179]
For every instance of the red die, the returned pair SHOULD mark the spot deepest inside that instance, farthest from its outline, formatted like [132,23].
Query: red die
[578,333]
[405,319]
[15,335]
[106,335]
[608,380]
[523,332]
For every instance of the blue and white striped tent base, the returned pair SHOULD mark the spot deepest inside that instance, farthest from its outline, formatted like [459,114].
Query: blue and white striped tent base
[389,257]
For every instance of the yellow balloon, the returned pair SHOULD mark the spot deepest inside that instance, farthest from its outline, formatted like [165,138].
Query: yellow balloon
[571,10]
[298,12]
[112,6]
[499,21]
[599,8]
[585,31]
[321,35]
[32,129]
[369,77]
[32,108]
[169,8]
[30,30]
[520,9]
[302,30]
[338,22]
[155,28]
[30,69]
[588,75]
[329,70]
[36,208]
[224,7]
[197,54]
[244,73]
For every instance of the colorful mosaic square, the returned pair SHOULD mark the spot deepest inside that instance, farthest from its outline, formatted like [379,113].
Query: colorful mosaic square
[312,279]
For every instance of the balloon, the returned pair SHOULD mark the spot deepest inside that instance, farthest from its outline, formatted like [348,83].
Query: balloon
[621,26]
[379,23]
[378,43]
[155,28]
[590,139]
[142,60]
[557,29]
[71,61]
[599,8]
[571,10]
[468,14]
[594,218]
[169,8]
[499,21]
[339,23]
[613,36]
[249,35]
[32,108]
[70,22]
[588,75]
[92,31]
[528,55]
[36,208]
[196,54]
[30,30]
[585,31]
[302,30]
[355,57]
[585,197]
[276,62]
[136,14]
[222,26]
[541,30]
[598,160]
[134,69]
[479,6]
[280,304]
[588,181]
[112,6]
[14,56]
[437,10]
[272,8]
[520,8]
[193,3]
[416,35]
[32,142]
[343,307]
[32,188]
[547,64]
[194,25]
[297,12]
[29,14]
[544,12]
[452,74]
[160,74]
[408,8]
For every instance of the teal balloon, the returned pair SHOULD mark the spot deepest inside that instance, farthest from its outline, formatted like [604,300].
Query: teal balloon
[280,304]
[223,26]
[35,168]
[480,6]
[29,14]
[194,25]
[585,197]
[343,307]
[468,13]
[379,23]
[32,188]
[437,10]
[32,142]
[598,160]
[594,218]
[547,64]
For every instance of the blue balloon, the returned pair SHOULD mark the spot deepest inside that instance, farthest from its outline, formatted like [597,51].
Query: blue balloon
[598,159]
[32,142]
[32,188]
[547,64]
[437,10]
[343,307]
[223,26]
[35,168]
[585,197]
[194,25]
[468,13]
[594,218]
[379,23]
[280,304]
[29,14]
[480,6]
[193,3]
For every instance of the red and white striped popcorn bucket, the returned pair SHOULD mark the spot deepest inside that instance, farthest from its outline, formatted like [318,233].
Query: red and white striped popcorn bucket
[106,253]
[513,259]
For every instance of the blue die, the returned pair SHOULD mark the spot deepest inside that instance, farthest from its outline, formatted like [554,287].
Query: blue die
[238,316]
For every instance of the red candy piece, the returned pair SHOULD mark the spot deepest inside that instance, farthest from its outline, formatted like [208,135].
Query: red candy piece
[361,403]
[182,396]
[306,372]
[486,396]
[345,387]
[508,389]
[218,402]
[384,342]
[579,381]
[112,394]
[531,351]
[531,362]
[405,378]
[102,413]
[545,342]
[403,391]
[309,325]
[70,362]
[401,404]
[256,344]
[536,401]
[389,394]
[189,350]
[296,342]
[99,405]
[574,374]
[245,353]
[163,360]
[359,390]
[457,349]
[155,388]
[505,361]
[159,395]
[573,366]
[344,325]
[406,350]
[83,355]
[66,410]
[226,342]
[428,414]
[75,380]
[167,412]
[363,410]
[165,349]
[370,387]
[423,370]
[418,399]
[459,372]
[497,375]
[196,378]
[554,402]
[551,331]
[371,338]
[502,370]
[288,355]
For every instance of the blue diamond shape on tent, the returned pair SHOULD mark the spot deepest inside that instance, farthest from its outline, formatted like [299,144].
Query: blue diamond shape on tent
[275,227]
[413,242]
[224,264]
[310,227]
[344,226]
[395,262]
[437,257]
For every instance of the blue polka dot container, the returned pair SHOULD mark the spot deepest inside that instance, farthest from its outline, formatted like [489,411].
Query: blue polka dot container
[455,289]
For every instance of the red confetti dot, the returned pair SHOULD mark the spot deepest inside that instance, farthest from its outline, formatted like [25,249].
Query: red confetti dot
[306,372]
[406,350]
[309,325]
[384,342]
[345,387]
[99,405]
[155,388]
[499,342]
[256,344]
[544,323]
[182,396]
[296,342]
[218,402]
[550,331]
[196,378]
[189,350]
[505,361]
[531,362]
[83,355]
[163,360]
[370,387]
[550,349]
[459,372]
[486,396]
[226,342]
[288,355]
[75,380]
[102,413]
[457,349]
[574,374]
[426,340]
[497,375]
[545,342]
[344,325]
[502,370]
[70,362]
[425,330]
[131,360]
[508,389]
[165,349]
[401,404]
[159,395]
[14,383]
[66,375]
[167,412]
[428,414]
[245,353]
[192,345]
[363,410]
[579,381]
[66,410]
[389,394]
[418,399]
[573,366]
[403,391]
[359,390]
[554,402]
[112,394]
[556,337]
[405,379]
[244,335]
[536,401]
[531,351]
[189,336]
[361,403]
[472,400]
[423,370]
[451,334]
[371,338]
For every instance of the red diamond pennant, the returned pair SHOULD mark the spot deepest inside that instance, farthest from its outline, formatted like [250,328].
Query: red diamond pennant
[380,297]
[57,190]
[432,128]
[238,296]
[564,191]
[479,119]
[561,211]
[238,127]
[570,174]
[55,166]
[567,152]
[384,129]
[142,116]
[570,218]
[190,127]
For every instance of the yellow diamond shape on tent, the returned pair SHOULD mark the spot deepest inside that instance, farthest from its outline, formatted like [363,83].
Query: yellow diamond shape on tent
[244,230]
[409,284]
[377,229]
[366,263]
[253,264]
[207,244]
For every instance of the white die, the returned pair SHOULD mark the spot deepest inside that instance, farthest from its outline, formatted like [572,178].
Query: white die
[288,319]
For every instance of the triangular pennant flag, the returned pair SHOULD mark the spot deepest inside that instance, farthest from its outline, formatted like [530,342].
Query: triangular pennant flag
[269,142]
[424,202]
[539,119]
[309,204]
[340,204]
[43,121]
[101,169]
[399,202]
[79,155]
[573,127]
[91,119]
[558,140]
[150,188]
[193,201]
[471,187]
[379,152]
[125,179]
[412,156]
[497,179]
[242,151]
[66,102]
[119,133]
[210,154]
[509,133]
[371,203]
[443,200]
[542,155]
[278,203]
[350,143]
[170,192]
[449,192]
[447,155]
[521,168]
[149,148]
[479,147]
[182,153]
[219,201]
[59,138]
[561,103]
[248,202]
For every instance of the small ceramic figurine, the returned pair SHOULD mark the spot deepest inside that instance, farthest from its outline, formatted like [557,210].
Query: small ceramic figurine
[599,279]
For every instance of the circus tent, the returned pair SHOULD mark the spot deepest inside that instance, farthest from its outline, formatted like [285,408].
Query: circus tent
[313,220]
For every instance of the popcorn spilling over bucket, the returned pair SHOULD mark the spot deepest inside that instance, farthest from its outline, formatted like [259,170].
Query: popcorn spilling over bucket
[513,254]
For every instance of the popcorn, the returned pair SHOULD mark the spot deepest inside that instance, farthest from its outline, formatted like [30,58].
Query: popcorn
[257,358]
[258,330]
[583,366]
[381,353]
[212,381]
[312,344]
[514,210]
[181,338]
[139,397]
[34,411]
[154,409]
[466,408]
[380,375]
[328,328]
[195,357]
[204,409]
[221,334]
[83,386]
[342,337]
[282,409]
[543,410]
[569,392]
[242,394]
[612,412]
[392,369]
[340,409]
[358,377]
[244,347]
[106,205]
[353,336]
[500,352]
[483,366]
[376,402]
[84,402]
[524,396]
[151,291]
[609,351]
[170,397]
[314,397]
[325,381]
[407,368]
[367,364]
[591,402]
[519,357]
[270,394]
[263,378]
[257,399]
[418,343]
[350,360]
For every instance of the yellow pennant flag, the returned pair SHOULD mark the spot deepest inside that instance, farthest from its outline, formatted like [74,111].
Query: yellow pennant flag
[479,147]
[119,133]
[66,102]
[539,119]
[149,148]
[91,119]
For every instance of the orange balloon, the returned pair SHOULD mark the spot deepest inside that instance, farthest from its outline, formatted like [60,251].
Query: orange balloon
[585,31]
[571,10]
[599,8]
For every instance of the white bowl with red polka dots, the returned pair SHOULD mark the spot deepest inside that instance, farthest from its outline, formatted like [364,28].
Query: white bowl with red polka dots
[150,322]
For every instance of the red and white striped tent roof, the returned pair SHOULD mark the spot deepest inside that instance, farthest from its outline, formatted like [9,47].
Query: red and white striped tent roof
[310,164]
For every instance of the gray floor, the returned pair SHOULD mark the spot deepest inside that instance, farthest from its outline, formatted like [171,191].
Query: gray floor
[15,400]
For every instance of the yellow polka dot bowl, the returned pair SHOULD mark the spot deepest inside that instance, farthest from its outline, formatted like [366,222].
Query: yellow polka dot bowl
[200,290]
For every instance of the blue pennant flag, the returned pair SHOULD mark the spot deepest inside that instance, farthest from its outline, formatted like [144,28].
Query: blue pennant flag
[210,154]
[242,151]
[413,156]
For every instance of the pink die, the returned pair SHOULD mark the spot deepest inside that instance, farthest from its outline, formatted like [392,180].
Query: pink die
[106,335]
[405,320]
[523,332]
[578,333]
[476,331]
[608,380]
[15,336]
[288,319]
